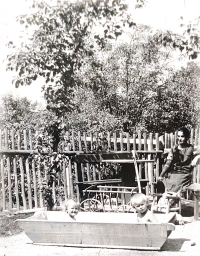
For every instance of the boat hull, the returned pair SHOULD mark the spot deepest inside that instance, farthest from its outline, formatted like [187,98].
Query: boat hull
[108,230]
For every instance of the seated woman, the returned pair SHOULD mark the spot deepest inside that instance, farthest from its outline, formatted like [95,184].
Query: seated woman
[177,172]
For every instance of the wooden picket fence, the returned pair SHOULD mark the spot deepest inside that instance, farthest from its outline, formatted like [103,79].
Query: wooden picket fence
[23,177]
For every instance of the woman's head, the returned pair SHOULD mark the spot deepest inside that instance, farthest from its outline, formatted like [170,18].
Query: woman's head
[183,135]
[72,207]
[139,202]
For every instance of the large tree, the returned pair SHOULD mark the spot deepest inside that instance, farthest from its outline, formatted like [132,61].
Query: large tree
[177,101]
[135,81]
[56,48]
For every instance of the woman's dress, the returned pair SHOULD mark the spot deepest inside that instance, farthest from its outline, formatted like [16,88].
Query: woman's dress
[177,171]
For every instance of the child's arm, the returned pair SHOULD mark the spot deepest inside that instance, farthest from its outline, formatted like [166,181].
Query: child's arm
[167,165]
[152,217]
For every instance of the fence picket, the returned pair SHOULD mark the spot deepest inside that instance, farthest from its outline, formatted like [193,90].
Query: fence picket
[70,179]
[146,164]
[79,141]
[64,179]
[39,182]
[18,140]
[73,141]
[192,136]
[85,142]
[127,142]
[13,139]
[25,140]
[88,171]
[9,182]
[6,138]
[121,141]
[134,141]
[76,182]
[156,175]
[28,183]
[0,139]
[91,143]
[198,142]
[196,136]
[171,140]
[94,172]
[3,185]
[139,148]
[109,141]
[54,191]
[16,183]
[175,138]
[150,165]
[22,183]
[30,140]
[34,183]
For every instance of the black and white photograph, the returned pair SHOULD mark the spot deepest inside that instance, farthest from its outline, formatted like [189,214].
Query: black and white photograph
[100,127]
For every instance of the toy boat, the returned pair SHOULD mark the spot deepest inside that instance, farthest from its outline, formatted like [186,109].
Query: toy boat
[99,229]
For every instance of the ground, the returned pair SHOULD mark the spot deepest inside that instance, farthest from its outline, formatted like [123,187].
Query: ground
[185,240]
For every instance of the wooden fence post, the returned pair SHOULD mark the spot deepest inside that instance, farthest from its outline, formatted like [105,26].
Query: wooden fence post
[3,185]
[150,165]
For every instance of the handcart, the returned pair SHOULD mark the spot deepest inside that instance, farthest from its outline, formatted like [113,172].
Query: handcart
[101,198]
[108,198]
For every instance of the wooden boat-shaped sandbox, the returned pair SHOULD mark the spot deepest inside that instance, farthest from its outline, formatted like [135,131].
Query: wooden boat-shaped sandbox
[96,229]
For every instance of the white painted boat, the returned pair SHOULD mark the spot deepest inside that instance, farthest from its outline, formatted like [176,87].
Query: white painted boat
[99,229]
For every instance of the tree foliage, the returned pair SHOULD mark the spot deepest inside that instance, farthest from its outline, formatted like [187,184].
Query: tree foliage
[177,101]
[187,41]
[92,82]
[136,83]
[17,112]
[57,46]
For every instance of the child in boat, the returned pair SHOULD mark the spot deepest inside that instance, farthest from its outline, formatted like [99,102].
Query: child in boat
[140,203]
[72,208]
[164,203]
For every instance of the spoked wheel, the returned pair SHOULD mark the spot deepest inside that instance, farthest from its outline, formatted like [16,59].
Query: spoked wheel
[125,208]
[91,205]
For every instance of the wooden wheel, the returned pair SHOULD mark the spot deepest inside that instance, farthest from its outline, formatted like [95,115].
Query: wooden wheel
[91,205]
[125,208]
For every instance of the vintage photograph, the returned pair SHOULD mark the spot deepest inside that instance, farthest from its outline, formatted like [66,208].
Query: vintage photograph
[100,127]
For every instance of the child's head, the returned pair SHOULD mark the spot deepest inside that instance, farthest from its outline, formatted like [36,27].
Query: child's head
[167,195]
[72,207]
[139,202]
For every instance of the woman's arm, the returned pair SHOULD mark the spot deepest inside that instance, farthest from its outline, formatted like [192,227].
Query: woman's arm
[167,164]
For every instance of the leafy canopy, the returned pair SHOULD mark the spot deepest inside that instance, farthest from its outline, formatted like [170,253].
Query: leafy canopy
[136,83]
[57,47]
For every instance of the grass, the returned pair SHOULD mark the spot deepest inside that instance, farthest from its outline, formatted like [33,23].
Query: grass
[8,226]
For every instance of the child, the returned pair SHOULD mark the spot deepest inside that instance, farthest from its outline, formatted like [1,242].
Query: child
[164,203]
[140,203]
[72,208]
[167,201]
